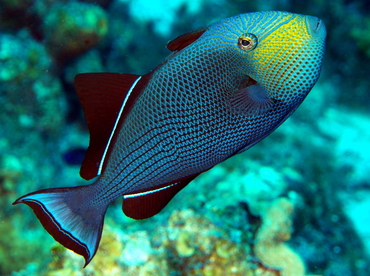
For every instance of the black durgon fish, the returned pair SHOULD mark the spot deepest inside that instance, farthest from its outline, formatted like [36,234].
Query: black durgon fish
[223,89]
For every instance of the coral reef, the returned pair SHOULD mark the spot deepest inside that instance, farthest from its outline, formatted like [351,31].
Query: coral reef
[199,247]
[270,246]
[188,244]
[72,28]
[163,13]
[319,155]
[32,92]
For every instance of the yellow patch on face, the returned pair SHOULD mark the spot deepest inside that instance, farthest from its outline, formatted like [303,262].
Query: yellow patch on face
[280,56]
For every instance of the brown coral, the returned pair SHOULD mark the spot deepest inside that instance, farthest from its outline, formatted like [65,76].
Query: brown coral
[270,245]
[188,245]
[72,28]
[198,247]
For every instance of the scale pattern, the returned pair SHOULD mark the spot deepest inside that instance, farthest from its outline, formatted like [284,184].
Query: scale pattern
[183,123]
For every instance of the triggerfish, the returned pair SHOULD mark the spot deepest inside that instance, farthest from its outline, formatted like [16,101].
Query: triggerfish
[223,89]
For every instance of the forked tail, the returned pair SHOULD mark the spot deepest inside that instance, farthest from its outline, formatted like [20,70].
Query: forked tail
[70,216]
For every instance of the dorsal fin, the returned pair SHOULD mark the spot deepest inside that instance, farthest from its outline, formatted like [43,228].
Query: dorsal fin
[184,40]
[102,96]
[149,202]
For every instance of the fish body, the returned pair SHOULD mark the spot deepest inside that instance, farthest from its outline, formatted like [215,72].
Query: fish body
[223,89]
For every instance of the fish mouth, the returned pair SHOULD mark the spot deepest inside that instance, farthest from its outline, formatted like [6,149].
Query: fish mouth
[315,26]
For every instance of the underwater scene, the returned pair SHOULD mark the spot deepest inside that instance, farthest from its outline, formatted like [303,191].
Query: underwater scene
[296,203]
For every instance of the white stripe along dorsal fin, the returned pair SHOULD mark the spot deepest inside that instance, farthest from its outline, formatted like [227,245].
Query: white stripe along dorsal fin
[115,125]
[103,96]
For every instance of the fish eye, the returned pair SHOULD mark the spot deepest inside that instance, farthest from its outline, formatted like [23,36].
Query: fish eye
[247,41]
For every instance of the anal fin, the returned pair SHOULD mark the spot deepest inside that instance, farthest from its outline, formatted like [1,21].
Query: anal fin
[147,203]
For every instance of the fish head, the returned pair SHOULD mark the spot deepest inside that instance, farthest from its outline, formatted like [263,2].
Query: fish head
[280,51]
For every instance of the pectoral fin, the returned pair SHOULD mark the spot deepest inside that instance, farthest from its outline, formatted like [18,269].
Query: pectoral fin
[252,100]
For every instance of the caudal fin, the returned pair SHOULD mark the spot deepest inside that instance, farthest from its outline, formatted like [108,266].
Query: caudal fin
[69,215]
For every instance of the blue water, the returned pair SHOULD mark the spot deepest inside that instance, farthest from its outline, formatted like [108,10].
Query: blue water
[318,160]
